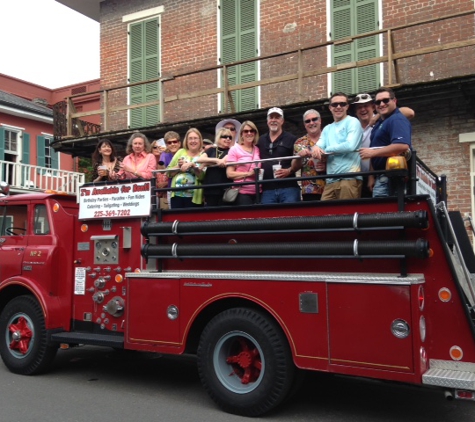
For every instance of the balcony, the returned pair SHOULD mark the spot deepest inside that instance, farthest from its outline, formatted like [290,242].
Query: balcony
[27,178]
[291,79]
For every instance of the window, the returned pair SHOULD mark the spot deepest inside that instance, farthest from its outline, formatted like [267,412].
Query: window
[47,156]
[41,220]
[13,220]
[144,64]
[11,141]
[239,42]
[348,18]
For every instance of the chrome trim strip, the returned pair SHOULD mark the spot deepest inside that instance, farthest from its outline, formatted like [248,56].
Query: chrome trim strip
[351,278]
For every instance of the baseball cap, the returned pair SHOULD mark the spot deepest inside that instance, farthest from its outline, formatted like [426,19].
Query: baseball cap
[275,110]
[234,122]
[362,98]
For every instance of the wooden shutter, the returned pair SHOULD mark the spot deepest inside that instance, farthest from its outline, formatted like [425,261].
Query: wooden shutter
[25,148]
[144,64]
[341,28]
[239,42]
[2,143]
[349,18]
[40,155]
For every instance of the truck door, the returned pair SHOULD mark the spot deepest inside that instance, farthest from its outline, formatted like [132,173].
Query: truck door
[13,239]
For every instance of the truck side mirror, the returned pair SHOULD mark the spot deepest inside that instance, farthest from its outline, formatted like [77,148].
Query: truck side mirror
[4,188]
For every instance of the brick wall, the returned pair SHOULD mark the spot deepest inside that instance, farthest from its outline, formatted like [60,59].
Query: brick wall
[433,66]
[189,42]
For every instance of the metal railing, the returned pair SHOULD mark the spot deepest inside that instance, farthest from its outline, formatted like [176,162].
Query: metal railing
[29,178]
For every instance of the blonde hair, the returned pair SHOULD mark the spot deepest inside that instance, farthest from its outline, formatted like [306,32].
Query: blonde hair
[253,126]
[192,130]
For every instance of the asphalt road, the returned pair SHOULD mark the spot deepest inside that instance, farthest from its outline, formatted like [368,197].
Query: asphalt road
[94,384]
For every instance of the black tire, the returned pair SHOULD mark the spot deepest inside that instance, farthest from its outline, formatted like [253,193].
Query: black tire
[24,344]
[245,363]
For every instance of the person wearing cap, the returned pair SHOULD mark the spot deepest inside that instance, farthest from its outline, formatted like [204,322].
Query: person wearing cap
[340,141]
[365,112]
[233,125]
[278,144]
[390,136]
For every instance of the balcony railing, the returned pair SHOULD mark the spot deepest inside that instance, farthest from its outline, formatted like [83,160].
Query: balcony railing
[25,178]
[403,47]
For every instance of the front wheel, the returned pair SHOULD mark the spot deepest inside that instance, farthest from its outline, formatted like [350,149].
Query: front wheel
[244,362]
[24,344]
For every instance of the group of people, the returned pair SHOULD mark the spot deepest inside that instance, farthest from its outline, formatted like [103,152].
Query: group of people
[347,146]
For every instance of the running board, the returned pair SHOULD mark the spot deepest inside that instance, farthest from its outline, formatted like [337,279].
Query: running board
[116,341]
[458,375]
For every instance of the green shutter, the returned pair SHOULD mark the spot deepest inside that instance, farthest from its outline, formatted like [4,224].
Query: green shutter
[25,148]
[352,18]
[40,148]
[239,42]
[366,48]
[2,143]
[144,64]
[54,158]
[25,158]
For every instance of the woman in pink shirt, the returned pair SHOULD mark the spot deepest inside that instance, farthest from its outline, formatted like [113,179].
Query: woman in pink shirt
[245,150]
[139,162]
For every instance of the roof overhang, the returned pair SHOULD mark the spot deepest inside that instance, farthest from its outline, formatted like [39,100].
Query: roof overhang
[25,114]
[89,8]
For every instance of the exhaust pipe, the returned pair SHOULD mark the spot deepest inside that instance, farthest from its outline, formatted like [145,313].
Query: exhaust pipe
[449,395]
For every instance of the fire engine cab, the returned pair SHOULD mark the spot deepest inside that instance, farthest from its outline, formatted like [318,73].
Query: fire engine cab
[379,288]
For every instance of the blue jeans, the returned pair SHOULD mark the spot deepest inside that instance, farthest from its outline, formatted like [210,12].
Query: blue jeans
[382,186]
[280,196]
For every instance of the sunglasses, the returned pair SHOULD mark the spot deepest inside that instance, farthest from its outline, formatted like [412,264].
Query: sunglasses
[226,137]
[172,142]
[314,119]
[248,131]
[155,147]
[232,129]
[335,105]
[362,97]
[384,100]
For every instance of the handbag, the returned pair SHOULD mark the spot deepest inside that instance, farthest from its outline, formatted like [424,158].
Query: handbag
[230,194]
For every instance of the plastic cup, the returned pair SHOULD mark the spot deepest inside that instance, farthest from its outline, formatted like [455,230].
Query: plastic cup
[275,168]
[261,174]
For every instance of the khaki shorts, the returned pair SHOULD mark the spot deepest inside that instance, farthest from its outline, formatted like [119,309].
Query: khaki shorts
[343,189]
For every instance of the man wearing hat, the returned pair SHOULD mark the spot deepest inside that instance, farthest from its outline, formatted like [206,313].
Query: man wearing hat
[275,144]
[233,125]
[367,115]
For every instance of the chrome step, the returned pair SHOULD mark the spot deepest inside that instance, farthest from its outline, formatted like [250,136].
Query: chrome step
[449,378]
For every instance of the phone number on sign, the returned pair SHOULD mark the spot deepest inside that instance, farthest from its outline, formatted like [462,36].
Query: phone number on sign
[112,213]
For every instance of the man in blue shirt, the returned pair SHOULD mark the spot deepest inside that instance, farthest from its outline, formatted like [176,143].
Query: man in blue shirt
[341,140]
[390,136]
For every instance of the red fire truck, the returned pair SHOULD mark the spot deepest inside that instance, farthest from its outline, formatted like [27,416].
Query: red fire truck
[379,288]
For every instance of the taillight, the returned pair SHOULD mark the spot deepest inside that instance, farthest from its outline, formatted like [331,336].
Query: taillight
[456,353]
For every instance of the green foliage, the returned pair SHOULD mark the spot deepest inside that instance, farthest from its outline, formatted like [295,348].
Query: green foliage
[85,166]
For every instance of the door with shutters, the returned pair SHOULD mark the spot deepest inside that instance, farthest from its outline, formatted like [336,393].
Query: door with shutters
[144,64]
[14,151]
[348,18]
[239,42]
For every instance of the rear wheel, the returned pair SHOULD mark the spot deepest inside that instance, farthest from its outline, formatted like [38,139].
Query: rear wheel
[24,344]
[244,362]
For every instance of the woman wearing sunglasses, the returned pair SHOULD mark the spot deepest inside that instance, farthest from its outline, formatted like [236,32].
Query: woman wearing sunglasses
[244,151]
[185,171]
[216,157]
